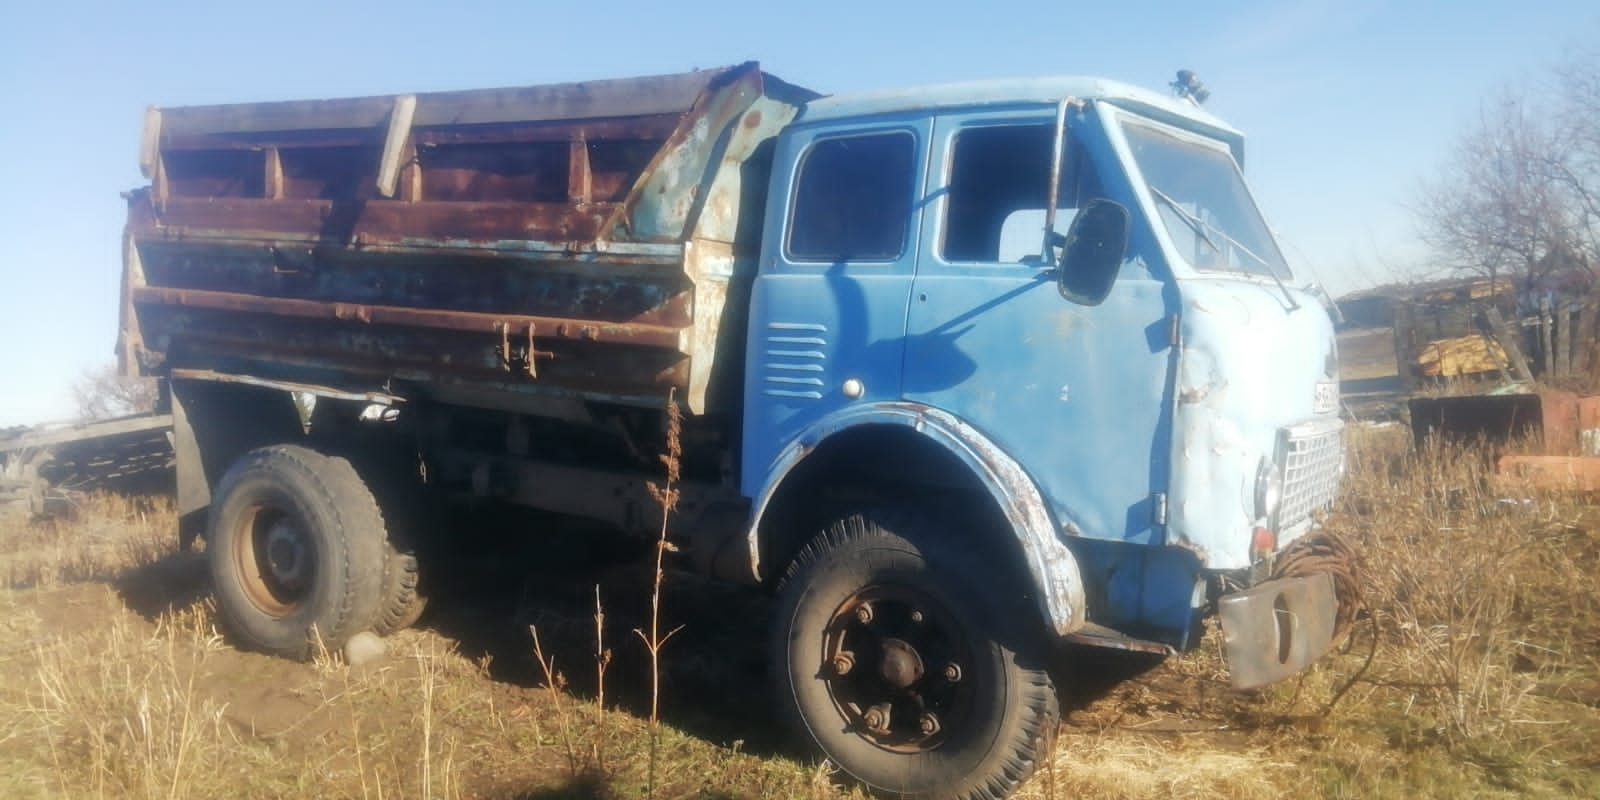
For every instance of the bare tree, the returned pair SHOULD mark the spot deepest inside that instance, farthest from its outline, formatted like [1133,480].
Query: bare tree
[103,393]
[1519,195]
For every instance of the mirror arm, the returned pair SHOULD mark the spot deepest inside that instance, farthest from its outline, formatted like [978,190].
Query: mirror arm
[1055,174]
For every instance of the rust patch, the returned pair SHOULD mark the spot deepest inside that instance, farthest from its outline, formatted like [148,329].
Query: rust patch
[465,321]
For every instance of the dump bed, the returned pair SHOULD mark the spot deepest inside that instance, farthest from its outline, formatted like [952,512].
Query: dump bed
[486,247]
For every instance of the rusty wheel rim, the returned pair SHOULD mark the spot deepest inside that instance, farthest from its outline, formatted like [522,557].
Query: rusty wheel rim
[898,668]
[275,560]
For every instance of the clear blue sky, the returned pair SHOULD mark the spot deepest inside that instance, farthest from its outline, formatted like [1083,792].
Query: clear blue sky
[1347,103]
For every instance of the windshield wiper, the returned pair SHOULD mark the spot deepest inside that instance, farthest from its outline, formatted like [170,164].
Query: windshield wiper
[1200,228]
[1195,223]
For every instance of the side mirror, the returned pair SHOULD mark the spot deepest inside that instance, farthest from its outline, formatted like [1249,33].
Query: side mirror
[1091,254]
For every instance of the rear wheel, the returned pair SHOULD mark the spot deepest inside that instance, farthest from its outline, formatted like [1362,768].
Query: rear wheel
[297,551]
[913,664]
[403,601]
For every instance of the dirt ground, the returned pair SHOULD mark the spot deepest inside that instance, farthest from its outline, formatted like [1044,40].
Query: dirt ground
[115,683]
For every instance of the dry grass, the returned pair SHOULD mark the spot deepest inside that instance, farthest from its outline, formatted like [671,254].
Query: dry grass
[1476,674]
[100,537]
[113,688]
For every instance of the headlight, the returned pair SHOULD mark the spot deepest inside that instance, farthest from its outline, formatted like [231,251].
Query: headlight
[1269,490]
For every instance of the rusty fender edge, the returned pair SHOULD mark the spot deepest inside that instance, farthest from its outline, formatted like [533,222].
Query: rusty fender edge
[1275,629]
[1051,566]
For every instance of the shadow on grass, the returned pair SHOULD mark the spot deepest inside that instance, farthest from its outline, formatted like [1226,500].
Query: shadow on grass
[172,582]
[500,579]
[592,786]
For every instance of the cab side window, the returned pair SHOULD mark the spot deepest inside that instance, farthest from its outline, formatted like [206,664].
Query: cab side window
[853,199]
[999,180]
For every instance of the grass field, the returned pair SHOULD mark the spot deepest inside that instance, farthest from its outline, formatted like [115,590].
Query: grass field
[1474,673]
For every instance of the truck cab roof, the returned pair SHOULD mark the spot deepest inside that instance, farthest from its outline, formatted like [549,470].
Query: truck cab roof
[1003,92]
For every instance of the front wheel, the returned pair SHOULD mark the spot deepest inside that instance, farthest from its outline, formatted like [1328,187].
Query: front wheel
[910,661]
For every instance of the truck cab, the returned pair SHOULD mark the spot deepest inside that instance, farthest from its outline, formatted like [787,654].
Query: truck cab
[1057,300]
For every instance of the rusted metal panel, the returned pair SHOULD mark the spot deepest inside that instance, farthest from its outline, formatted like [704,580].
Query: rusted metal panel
[1548,421]
[537,240]
[377,221]
[657,207]
[1094,635]
[126,454]
[1573,473]
[332,392]
[464,321]
[52,435]
[657,94]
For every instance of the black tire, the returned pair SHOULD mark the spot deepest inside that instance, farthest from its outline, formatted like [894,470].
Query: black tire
[931,604]
[411,513]
[297,551]
[403,601]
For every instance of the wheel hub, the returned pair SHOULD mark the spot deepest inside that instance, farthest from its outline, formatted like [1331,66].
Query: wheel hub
[275,560]
[876,650]
[901,665]
[286,555]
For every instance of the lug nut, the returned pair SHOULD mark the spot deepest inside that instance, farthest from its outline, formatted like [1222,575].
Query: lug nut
[929,724]
[877,718]
[952,672]
[916,616]
[844,662]
[863,613]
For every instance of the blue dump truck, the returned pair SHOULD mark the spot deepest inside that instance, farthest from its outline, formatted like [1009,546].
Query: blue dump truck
[964,373]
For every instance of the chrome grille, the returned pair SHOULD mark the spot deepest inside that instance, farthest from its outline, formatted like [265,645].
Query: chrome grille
[1311,454]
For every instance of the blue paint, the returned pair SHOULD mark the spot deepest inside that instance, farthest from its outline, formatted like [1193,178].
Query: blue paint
[1051,564]
[1137,426]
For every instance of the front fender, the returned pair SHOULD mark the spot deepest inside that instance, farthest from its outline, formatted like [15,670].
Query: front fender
[1051,565]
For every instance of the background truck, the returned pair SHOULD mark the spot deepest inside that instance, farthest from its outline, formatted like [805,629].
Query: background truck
[965,372]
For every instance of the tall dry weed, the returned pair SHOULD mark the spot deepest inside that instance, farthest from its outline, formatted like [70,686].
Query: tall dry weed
[102,536]
[119,713]
[666,495]
[1460,568]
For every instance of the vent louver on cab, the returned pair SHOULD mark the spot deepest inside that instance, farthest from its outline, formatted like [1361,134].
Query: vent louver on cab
[794,360]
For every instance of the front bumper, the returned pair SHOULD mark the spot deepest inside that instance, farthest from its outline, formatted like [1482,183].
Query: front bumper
[1274,629]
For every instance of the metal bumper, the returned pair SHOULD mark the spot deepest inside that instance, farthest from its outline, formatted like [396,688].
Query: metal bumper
[1275,629]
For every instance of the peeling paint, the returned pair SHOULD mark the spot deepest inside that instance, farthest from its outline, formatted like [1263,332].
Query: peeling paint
[1052,567]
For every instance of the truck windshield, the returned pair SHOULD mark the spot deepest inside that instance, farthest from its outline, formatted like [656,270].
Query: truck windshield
[1204,204]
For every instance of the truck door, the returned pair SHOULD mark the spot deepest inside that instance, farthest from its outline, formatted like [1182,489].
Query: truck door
[1078,394]
[829,303]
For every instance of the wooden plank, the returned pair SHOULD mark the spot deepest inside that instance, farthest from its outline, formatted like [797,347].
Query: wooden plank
[394,142]
[159,188]
[1405,351]
[579,178]
[1583,341]
[150,142]
[1502,334]
[273,181]
[1546,360]
[411,177]
[1563,326]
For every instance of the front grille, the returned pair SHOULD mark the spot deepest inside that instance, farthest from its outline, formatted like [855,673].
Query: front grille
[1312,453]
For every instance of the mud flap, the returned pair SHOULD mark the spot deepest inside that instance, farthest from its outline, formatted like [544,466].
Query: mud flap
[1275,629]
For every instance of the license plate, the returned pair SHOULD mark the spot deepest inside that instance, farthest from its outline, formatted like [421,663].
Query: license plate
[1326,400]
